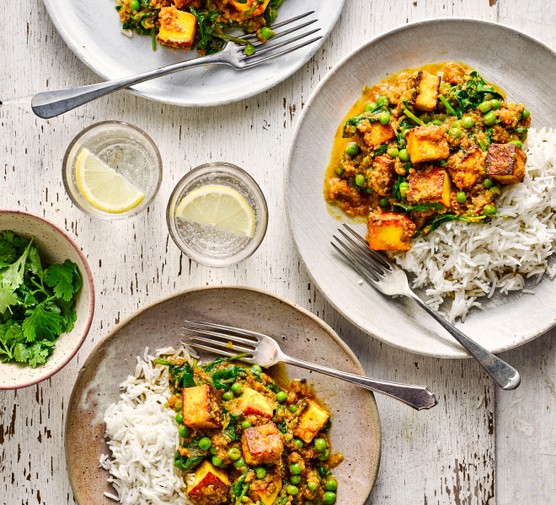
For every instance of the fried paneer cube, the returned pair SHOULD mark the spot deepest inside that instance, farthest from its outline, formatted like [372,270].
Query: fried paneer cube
[429,186]
[312,420]
[381,175]
[425,90]
[266,490]
[375,133]
[249,8]
[262,445]
[389,231]
[201,407]
[427,143]
[210,485]
[177,28]
[253,402]
[465,168]
[505,163]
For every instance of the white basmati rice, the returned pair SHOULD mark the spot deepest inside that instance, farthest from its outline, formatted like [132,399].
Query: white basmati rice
[465,262]
[143,437]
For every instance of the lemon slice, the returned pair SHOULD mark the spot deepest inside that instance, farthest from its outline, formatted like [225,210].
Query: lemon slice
[219,206]
[103,187]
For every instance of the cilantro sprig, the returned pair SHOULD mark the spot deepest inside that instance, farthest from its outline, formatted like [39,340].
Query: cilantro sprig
[36,302]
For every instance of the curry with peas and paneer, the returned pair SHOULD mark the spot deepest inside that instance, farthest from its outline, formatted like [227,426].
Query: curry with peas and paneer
[424,147]
[203,24]
[246,440]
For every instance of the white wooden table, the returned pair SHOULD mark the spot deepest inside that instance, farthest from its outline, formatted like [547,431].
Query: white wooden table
[478,446]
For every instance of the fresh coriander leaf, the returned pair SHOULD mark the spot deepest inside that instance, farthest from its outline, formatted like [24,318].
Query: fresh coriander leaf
[61,279]
[34,264]
[7,298]
[12,276]
[42,324]
[40,352]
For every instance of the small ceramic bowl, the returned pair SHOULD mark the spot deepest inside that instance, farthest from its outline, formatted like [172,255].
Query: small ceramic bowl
[55,246]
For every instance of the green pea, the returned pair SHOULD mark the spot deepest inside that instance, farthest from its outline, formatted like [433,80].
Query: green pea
[384,202]
[239,463]
[468,122]
[495,104]
[234,453]
[404,188]
[249,50]
[489,210]
[291,489]
[228,395]
[461,197]
[489,118]
[216,461]
[179,418]
[352,149]
[369,106]
[213,450]
[236,387]
[360,180]
[455,132]
[393,152]
[487,183]
[320,444]
[260,472]
[183,431]
[324,456]
[281,396]
[484,107]
[312,485]
[404,155]
[518,143]
[295,468]
[525,114]
[295,479]
[256,369]
[292,409]
[329,497]
[436,122]
[331,484]
[298,443]
[204,443]
[495,191]
[246,424]
[384,118]
[265,33]
[382,101]
[135,5]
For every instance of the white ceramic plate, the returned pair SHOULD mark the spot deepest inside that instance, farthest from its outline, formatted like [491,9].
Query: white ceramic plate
[355,422]
[92,30]
[520,65]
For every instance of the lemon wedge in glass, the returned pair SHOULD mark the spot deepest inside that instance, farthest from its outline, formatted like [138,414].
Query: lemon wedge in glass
[103,187]
[219,206]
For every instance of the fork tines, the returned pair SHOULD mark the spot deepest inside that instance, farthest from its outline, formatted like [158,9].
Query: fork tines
[268,50]
[219,339]
[354,248]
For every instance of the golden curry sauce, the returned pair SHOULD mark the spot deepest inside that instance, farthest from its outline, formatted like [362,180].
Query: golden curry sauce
[424,147]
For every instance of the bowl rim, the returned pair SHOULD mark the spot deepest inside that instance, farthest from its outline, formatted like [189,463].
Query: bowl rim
[91,308]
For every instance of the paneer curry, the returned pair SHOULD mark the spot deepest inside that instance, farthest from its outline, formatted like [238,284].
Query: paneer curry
[203,24]
[424,147]
[246,440]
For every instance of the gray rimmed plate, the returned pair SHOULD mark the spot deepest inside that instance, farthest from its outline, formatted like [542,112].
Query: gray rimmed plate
[517,63]
[92,30]
[355,420]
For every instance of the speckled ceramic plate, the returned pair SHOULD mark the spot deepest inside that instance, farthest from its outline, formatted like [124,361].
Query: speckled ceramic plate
[356,426]
[514,61]
[92,30]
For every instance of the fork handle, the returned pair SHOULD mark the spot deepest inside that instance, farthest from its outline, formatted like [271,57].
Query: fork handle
[505,375]
[418,397]
[49,104]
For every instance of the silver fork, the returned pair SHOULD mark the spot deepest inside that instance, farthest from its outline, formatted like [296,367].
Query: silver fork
[49,104]
[391,280]
[265,351]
